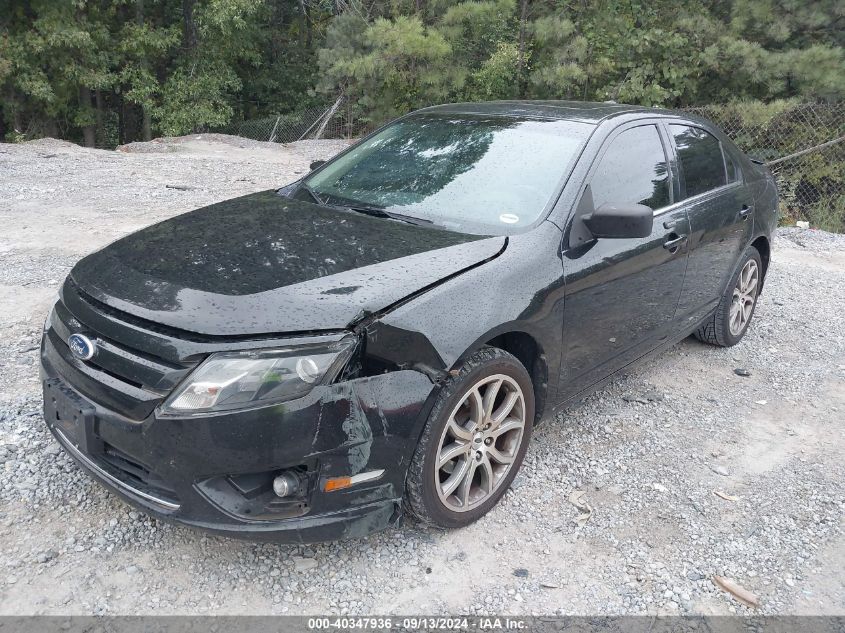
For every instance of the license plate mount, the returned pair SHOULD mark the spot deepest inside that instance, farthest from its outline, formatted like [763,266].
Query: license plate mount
[67,412]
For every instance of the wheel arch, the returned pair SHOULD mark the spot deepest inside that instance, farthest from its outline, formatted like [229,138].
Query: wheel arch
[527,348]
[764,247]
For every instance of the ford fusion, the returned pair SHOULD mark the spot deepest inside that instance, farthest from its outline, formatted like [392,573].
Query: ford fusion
[380,338]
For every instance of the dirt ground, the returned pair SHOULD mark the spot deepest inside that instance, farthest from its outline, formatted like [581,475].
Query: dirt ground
[649,452]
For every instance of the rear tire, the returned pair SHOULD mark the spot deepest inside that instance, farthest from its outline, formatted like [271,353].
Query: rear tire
[474,441]
[730,322]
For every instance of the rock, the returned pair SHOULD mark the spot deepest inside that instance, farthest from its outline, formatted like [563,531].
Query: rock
[301,564]
[653,395]
[46,556]
[741,371]
[132,570]
[520,572]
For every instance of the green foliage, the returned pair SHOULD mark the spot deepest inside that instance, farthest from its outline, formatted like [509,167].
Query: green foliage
[110,71]
[475,29]
[118,70]
[389,66]
[498,75]
[194,97]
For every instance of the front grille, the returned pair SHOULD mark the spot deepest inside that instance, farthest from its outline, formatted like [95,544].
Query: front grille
[132,370]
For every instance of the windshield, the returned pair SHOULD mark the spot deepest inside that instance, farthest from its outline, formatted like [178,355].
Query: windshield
[477,174]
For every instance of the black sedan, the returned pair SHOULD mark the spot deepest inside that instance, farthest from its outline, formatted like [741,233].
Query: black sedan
[381,337]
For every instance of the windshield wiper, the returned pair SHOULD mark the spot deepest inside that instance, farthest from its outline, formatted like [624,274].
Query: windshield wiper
[381,213]
[376,212]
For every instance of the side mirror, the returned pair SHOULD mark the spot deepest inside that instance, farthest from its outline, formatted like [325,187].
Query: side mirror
[620,221]
[316,164]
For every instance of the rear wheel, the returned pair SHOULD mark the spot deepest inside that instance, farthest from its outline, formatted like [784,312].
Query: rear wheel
[474,441]
[729,323]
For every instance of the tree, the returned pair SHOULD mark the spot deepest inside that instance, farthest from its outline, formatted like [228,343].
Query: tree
[394,66]
[55,64]
[108,71]
[144,48]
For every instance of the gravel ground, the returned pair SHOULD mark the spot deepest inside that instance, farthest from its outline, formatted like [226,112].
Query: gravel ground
[647,454]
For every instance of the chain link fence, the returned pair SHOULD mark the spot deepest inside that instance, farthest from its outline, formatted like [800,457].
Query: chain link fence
[803,144]
[333,120]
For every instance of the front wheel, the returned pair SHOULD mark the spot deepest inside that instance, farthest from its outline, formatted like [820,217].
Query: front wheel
[729,323]
[474,441]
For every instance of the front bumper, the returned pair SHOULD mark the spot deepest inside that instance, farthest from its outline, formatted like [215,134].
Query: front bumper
[215,473]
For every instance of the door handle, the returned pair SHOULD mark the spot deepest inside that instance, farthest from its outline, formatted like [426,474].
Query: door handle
[745,211]
[675,243]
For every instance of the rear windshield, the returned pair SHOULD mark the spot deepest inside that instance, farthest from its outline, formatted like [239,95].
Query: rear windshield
[479,174]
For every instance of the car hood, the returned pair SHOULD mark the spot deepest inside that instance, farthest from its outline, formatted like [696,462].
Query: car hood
[264,264]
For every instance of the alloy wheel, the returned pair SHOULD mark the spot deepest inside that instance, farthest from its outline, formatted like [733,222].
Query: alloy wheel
[744,296]
[480,442]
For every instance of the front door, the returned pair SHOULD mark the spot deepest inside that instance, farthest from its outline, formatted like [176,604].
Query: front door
[621,294]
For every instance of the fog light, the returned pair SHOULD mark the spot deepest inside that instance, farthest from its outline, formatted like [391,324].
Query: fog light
[286,484]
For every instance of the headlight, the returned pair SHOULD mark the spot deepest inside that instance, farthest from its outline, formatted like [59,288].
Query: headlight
[242,380]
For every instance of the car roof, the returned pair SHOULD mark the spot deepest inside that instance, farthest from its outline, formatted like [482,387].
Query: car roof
[584,111]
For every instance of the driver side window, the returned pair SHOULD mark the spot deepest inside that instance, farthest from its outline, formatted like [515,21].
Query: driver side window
[633,170]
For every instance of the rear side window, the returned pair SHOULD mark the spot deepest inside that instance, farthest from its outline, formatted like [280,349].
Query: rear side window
[633,170]
[700,154]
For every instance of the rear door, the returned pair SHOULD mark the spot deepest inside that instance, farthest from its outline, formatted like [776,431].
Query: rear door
[621,294]
[720,211]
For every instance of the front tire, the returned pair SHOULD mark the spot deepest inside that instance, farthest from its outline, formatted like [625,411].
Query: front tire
[730,322]
[474,441]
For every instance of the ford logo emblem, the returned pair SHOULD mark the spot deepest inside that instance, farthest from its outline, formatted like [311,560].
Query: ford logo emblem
[81,346]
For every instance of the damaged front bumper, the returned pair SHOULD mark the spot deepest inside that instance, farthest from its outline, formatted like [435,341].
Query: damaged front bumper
[216,472]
